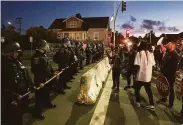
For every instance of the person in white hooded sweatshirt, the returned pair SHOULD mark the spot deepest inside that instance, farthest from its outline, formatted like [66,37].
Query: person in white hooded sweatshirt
[145,61]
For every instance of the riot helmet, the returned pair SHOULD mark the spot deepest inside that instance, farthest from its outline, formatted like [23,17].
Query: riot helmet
[13,47]
[65,40]
[13,50]
[69,44]
[43,45]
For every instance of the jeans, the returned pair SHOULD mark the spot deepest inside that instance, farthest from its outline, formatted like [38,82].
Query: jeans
[129,74]
[182,106]
[171,94]
[147,86]
[115,77]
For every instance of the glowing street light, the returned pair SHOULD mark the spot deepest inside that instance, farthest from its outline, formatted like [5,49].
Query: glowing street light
[126,40]
[9,23]
[112,18]
[129,43]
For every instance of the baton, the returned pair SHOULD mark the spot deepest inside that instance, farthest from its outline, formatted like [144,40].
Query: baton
[22,96]
[55,76]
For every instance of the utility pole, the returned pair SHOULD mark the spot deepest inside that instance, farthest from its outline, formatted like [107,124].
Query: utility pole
[19,21]
[123,3]
[114,34]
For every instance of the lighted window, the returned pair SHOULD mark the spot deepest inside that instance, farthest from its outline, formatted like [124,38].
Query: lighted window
[73,24]
[78,36]
[96,36]
[59,35]
[66,35]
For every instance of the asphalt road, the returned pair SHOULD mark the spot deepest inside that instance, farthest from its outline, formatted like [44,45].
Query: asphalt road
[122,112]
[66,112]
[115,110]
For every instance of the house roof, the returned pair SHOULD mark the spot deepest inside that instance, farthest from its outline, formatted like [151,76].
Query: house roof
[74,29]
[88,22]
[73,17]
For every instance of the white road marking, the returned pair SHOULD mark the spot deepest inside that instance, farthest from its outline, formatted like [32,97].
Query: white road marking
[101,110]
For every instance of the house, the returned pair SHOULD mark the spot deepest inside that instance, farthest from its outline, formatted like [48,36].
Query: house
[82,29]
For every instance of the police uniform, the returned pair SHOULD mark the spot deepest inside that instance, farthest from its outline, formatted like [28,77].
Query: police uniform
[42,70]
[88,52]
[102,51]
[70,61]
[82,57]
[62,59]
[94,52]
[15,81]
[78,53]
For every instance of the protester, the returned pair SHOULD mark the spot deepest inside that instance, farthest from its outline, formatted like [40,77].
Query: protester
[116,68]
[145,60]
[169,68]
[130,66]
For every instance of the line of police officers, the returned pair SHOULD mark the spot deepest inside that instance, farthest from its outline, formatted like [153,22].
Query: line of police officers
[16,81]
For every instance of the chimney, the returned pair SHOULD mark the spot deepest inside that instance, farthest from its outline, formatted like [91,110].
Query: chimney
[78,15]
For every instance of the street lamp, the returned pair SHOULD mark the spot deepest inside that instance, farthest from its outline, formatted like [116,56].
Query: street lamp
[114,18]
[9,23]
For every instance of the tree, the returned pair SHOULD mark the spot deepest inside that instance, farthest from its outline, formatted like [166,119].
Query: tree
[134,39]
[51,36]
[41,33]
[10,34]
[37,33]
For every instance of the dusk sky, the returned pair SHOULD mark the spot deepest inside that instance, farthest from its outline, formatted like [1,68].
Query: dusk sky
[140,16]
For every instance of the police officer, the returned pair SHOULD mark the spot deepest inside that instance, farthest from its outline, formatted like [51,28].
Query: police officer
[88,52]
[71,60]
[102,50]
[78,53]
[94,52]
[42,70]
[82,55]
[98,52]
[15,83]
[61,58]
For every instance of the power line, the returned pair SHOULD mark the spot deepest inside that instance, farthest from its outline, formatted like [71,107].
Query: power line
[19,21]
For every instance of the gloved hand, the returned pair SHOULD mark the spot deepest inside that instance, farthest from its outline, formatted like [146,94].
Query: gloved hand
[31,88]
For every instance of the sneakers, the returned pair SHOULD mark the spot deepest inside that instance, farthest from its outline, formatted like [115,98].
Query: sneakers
[51,106]
[67,87]
[137,104]
[38,116]
[113,87]
[116,90]
[150,107]
[127,87]
[162,101]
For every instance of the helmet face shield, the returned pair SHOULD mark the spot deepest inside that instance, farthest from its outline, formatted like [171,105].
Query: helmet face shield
[47,48]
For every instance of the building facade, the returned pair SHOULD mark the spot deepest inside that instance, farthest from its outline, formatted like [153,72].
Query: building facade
[82,29]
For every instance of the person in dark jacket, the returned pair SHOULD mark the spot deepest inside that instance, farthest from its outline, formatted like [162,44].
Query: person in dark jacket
[43,71]
[88,52]
[15,83]
[130,66]
[169,68]
[116,68]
